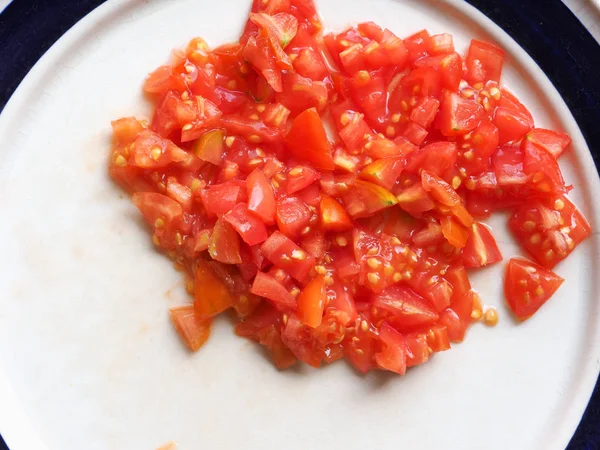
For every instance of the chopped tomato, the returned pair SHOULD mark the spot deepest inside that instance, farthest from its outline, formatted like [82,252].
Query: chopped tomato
[193,329]
[549,230]
[552,141]
[407,309]
[286,255]
[333,215]
[261,199]
[268,287]
[458,115]
[484,62]
[393,356]
[528,286]
[252,230]
[324,187]
[293,216]
[210,292]
[311,302]
[307,140]
[512,125]
[224,244]
[481,248]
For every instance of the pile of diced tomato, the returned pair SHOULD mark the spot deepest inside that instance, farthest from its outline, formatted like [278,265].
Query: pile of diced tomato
[328,188]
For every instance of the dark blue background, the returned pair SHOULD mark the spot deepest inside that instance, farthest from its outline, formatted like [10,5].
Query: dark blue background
[546,29]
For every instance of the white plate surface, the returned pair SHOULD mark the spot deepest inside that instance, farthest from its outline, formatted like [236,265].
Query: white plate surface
[88,358]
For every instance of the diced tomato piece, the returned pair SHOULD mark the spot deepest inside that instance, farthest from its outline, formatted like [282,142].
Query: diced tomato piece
[311,302]
[300,93]
[457,317]
[415,133]
[224,244]
[395,48]
[481,249]
[543,168]
[210,147]
[436,158]
[512,125]
[333,215]
[285,254]
[549,229]
[415,200]
[419,351]
[193,329]
[393,357]
[455,233]
[374,197]
[219,199]
[180,193]
[211,294]
[307,140]
[439,189]
[353,134]
[254,130]
[268,287]
[484,62]
[425,111]
[293,216]
[442,44]
[261,199]
[125,130]
[155,207]
[252,230]
[384,171]
[407,308]
[300,177]
[552,141]
[164,79]
[458,115]
[418,45]
[528,286]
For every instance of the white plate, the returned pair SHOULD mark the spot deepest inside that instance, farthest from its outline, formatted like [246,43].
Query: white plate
[88,358]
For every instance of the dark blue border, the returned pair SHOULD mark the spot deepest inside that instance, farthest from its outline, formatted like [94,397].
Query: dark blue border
[546,29]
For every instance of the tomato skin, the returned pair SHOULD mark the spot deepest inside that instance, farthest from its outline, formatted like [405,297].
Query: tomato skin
[261,199]
[192,329]
[211,295]
[374,197]
[481,248]
[311,302]
[528,286]
[268,287]
[307,140]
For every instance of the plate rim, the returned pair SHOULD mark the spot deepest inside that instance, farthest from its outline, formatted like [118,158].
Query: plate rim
[18,431]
